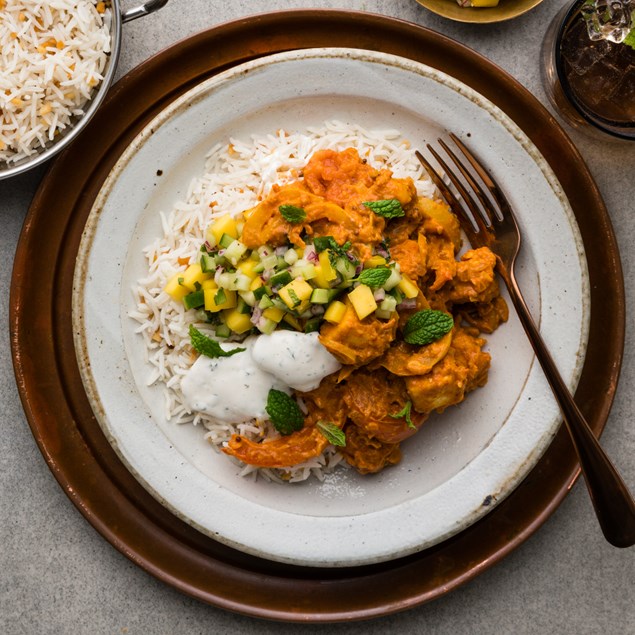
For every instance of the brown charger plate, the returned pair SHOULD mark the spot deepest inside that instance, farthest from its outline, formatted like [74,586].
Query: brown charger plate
[83,461]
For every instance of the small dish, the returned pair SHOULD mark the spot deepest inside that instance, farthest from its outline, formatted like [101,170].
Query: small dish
[506,10]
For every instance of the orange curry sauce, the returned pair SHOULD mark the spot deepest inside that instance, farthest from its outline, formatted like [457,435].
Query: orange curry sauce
[381,373]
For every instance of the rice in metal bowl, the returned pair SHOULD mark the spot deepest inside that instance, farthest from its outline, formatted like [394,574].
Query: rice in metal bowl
[52,59]
[237,174]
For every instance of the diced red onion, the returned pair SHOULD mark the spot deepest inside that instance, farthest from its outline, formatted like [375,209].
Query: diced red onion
[281,251]
[256,314]
[408,303]
[310,254]
[380,251]
[317,309]
[379,294]
[217,274]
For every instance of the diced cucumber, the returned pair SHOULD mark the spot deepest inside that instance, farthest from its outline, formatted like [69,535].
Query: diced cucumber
[393,280]
[259,268]
[281,264]
[270,262]
[383,315]
[312,325]
[345,267]
[194,300]
[226,280]
[235,251]
[279,303]
[266,326]
[280,279]
[249,297]
[389,303]
[242,282]
[242,306]
[303,269]
[226,240]
[208,263]
[399,297]
[291,256]
[264,290]
[222,330]
[265,302]
[324,296]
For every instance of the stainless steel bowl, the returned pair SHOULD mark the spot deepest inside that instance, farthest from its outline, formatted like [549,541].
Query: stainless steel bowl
[119,17]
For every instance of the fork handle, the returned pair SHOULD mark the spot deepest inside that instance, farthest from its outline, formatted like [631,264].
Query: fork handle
[613,503]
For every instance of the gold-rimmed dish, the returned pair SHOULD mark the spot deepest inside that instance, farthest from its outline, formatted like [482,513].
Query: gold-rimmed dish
[505,10]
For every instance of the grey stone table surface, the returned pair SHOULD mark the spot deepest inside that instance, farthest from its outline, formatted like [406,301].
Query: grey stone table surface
[57,575]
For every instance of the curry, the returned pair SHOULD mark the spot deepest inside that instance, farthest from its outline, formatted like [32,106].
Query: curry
[387,387]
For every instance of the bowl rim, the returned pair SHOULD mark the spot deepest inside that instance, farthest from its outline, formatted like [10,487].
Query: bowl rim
[43,155]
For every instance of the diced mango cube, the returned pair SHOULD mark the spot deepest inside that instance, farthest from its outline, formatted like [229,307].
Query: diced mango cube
[209,284]
[375,261]
[335,312]
[319,279]
[408,287]
[223,225]
[295,293]
[247,267]
[236,321]
[192,275]
[255,284]
[174,288]
[274,313]
[210,299]
[328,271]
[363,301]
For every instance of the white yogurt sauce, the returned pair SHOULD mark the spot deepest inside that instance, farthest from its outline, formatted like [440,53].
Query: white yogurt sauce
[235,389]
[298,359]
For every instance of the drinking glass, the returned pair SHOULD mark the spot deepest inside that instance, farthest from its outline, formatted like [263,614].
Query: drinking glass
[588,69]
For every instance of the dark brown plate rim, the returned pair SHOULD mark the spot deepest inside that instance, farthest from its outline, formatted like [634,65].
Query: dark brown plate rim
[81,458]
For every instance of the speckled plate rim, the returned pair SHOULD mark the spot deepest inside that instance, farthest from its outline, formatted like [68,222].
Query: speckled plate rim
[317,534]
[82,460]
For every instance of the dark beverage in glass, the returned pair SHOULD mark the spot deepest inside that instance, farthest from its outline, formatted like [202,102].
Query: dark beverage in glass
[592,81]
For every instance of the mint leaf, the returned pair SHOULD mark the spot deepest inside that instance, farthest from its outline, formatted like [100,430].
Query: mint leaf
[374,278]
[333,434]
[284,412]
[207,346]
[629,40]
[321,243]
[427,326]
[292,213]
[405,413]
[388,208]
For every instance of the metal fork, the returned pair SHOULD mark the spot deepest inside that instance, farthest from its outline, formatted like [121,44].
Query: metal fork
[494,226]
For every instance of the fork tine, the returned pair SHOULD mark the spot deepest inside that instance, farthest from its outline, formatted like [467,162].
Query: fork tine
[448,195]
[492,186]
[446,192]
[467,197]
[486,207]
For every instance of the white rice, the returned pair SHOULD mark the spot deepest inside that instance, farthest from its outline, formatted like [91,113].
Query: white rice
[52,58]
[236,175]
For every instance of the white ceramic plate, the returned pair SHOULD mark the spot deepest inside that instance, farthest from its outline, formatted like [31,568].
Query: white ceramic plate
[462,463]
